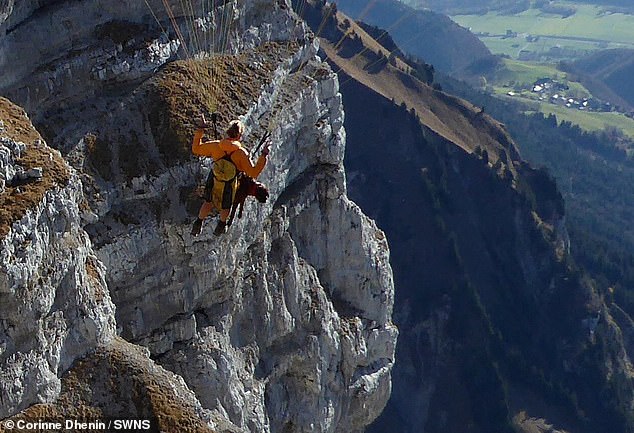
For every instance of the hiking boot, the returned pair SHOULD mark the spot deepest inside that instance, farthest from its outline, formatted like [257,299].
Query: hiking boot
[220,228]
[197,227]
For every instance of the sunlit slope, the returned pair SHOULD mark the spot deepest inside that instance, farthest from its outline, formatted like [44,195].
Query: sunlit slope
[356,54]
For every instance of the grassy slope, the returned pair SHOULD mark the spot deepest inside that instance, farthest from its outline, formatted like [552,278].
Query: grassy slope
[513,46]
[422,33]
[16,200]
[590,121]
[434,108]
[527,73]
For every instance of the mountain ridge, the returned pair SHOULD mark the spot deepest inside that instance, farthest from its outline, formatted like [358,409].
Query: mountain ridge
[425,34]
[398,84]
[489,251]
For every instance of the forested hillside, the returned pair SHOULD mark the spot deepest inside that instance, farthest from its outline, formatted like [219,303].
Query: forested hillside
[595,179]
[498,329]
[613,69]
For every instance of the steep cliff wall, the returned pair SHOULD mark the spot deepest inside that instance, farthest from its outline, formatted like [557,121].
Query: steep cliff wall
[55,305]
[497,328]
[282,324]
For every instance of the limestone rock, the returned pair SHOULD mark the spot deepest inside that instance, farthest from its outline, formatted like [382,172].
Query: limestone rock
[284,323]
[137,389]
[54,303]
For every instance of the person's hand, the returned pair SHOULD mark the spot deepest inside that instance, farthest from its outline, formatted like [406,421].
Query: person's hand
[266,149]
[202,124]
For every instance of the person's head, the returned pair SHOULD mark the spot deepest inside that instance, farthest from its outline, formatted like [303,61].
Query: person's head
[235,129]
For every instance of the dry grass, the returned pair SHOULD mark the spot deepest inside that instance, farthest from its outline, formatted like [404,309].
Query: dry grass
[91,268]
[525,424]
[171,103]
[16,200]
[118,382]
[452,118]
[368,41]
[228,85]
[530,414]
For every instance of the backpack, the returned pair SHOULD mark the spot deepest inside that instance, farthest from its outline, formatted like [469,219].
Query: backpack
[224,169]
[222,182]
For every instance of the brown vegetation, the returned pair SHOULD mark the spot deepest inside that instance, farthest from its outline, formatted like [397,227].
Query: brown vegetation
[452,118]
[155,128]
[224,84]
[16,200]
[118,382]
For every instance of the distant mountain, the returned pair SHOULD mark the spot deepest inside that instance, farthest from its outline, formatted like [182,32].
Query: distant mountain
[608,74]
[422,33]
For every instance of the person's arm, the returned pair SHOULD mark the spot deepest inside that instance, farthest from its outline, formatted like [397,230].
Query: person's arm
[243,163]
[198,147]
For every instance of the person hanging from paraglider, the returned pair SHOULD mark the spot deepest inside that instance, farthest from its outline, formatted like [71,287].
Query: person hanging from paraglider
[232,177]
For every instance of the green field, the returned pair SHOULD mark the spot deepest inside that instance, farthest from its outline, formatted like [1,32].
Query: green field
[588,29]
[513,46]
[590,121]
[517,74]
[524,74]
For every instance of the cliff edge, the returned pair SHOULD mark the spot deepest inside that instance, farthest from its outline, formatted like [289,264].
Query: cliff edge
[282,324]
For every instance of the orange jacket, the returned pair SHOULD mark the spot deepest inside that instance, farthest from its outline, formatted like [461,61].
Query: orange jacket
[216,149]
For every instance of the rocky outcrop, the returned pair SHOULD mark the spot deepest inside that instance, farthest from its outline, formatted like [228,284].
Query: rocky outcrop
[79,49]
[140,393]
[282,324]
[55,305]
[309,269]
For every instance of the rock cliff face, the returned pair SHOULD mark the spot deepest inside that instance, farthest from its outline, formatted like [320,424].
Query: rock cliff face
[55,304]
[284,323]
[498,330]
